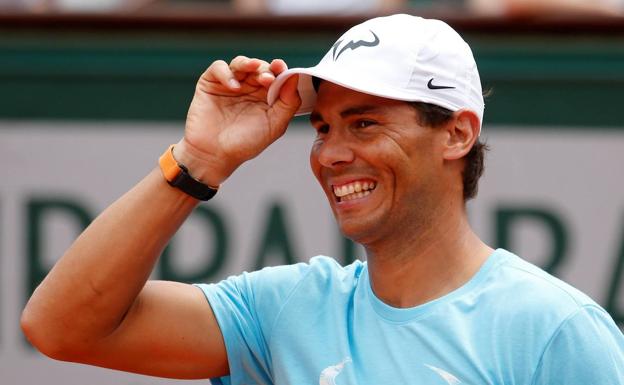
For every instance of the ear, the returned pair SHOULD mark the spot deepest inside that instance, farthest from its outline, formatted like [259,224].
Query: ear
[462,132]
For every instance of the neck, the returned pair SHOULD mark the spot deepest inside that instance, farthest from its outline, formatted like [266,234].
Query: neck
[426,263]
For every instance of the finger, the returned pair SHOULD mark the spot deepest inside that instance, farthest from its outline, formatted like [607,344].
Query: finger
[257,72]
[220,72]
[289,98]
[265,78]
[263,74]
[286,105]
[278,66]
[244,64]
[253,71]
[268,73]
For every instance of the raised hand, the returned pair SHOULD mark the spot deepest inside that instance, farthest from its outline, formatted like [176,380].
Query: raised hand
[229,121]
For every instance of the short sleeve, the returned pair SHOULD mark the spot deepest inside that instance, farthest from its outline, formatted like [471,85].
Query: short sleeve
[246,308]
[588,348]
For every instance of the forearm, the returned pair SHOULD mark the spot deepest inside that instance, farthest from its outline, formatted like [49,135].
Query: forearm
[88,292]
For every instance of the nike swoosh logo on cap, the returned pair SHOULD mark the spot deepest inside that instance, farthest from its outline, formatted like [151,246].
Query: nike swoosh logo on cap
[432,86]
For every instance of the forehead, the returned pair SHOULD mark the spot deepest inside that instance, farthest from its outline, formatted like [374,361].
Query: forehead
[333,100]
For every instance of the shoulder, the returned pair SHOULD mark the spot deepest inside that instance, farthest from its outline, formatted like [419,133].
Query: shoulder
[519,296]
[325,268]
[587,348]
[319,274]
[319,283]
[276,284]
[320,269]
[543,321]
[535,289]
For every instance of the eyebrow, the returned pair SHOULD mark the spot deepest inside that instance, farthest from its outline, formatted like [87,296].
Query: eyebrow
[355,110]
[360,110]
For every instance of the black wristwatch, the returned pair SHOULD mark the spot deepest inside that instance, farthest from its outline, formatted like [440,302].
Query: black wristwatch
[177,175]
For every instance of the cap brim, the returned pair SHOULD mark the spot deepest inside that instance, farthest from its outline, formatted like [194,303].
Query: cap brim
[304,87]
[308,93]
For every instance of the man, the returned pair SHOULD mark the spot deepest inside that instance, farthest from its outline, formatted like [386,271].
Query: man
[397,107]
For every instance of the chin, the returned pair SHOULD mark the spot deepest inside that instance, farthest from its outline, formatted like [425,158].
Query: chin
[357,231]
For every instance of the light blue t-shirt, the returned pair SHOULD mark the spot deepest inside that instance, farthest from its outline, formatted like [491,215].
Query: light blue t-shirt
[320,323]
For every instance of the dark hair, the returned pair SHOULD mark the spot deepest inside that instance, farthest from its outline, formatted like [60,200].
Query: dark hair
[434,116]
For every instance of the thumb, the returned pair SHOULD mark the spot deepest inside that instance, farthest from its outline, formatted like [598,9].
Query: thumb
[289,100]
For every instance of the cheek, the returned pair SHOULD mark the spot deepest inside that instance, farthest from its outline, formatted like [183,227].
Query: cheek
[396,158]
[314,163]
[414,167]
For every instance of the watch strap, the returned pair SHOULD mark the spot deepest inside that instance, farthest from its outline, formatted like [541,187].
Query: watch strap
[177,175]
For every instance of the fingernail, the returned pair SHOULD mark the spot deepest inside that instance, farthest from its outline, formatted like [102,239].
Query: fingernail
[234,83]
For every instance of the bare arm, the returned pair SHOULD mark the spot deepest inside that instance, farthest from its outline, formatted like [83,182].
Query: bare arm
[95,306]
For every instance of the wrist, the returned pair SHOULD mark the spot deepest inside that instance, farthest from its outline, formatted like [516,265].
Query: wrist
[205,168]
[177,176]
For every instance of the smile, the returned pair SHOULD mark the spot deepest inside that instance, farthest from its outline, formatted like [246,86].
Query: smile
[353,190]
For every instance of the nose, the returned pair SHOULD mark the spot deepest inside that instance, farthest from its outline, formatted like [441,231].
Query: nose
[333,150]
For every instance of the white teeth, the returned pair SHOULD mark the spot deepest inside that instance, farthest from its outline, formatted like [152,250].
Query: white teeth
[354,190]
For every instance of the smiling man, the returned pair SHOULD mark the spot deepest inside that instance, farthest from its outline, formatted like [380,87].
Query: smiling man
[396,103]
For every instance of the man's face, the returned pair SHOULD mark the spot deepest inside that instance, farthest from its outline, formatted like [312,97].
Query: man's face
[381,170]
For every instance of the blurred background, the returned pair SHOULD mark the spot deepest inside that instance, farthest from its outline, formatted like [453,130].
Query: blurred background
[92,92]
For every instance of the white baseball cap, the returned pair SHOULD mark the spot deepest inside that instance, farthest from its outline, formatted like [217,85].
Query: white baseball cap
[400,57]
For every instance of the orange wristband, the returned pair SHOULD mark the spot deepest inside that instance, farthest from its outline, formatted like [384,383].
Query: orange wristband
[177,175]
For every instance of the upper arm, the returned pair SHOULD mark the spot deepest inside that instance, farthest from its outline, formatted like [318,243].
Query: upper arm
[170,331]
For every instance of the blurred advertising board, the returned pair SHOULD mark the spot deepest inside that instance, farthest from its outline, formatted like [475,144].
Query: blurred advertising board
[553,195]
